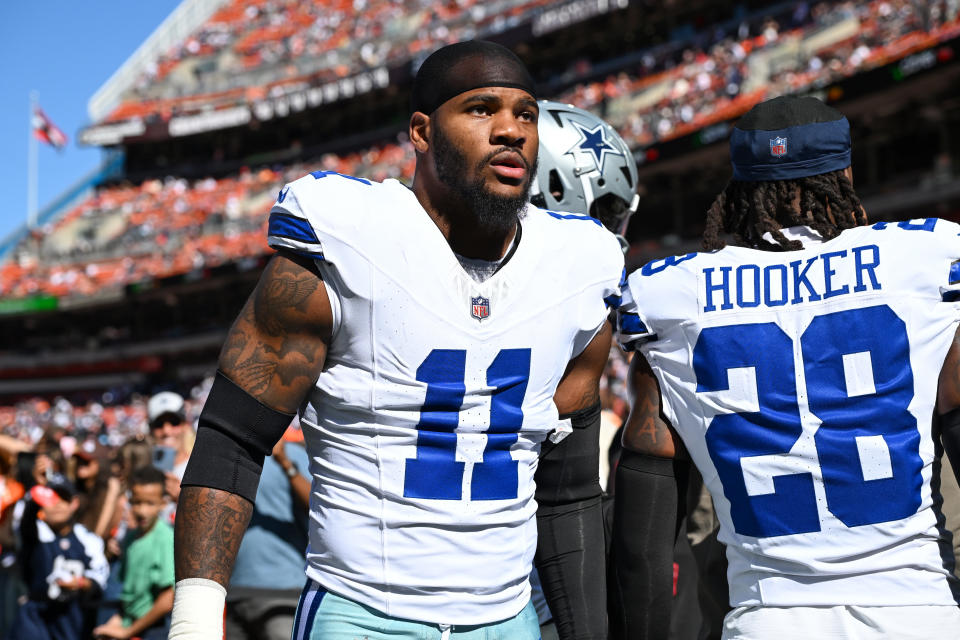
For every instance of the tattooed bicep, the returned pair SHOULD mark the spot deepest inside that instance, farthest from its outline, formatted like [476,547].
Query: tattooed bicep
[290,297]
[647,431]
[276,347]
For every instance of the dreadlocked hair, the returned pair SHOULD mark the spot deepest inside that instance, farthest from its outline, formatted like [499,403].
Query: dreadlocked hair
[748,210]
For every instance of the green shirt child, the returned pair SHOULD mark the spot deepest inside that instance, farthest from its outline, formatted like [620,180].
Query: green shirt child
[147,565]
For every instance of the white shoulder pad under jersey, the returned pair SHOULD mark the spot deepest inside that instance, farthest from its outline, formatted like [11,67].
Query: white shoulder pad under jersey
[424,428]
[803,384]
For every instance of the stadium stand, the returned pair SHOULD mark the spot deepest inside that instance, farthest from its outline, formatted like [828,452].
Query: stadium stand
[168,227]
[248,50]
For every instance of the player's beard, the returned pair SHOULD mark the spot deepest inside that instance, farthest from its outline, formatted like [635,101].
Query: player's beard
[492,212]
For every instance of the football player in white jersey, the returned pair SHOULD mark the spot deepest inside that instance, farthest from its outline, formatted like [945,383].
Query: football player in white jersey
[583,167]
[429,339]
[798,368]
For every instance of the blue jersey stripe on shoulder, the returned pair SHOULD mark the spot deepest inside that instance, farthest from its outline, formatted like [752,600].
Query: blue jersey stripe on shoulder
[573,216]
[284,225]
[613,301]
[324,174]
[313,255]
[631,323]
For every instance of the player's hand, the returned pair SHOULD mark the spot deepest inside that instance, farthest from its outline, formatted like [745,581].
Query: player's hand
[171,484]
[113,629]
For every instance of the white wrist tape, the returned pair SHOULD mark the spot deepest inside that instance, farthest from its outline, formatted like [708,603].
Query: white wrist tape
[197,610]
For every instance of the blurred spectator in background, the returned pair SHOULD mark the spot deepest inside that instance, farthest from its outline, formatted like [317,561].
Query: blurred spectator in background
[146,565]
[132,455]
[48,463]
[61,562]
[11,491]
[172,438]
[97,487]
[268,575]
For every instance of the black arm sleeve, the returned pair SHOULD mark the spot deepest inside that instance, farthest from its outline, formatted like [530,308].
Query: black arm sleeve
[645,523]
[235,433]
[570,547]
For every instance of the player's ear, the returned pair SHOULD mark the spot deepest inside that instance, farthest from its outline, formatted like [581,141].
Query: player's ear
[420,131]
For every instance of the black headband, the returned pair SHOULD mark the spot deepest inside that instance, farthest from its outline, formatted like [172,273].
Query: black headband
[465,66]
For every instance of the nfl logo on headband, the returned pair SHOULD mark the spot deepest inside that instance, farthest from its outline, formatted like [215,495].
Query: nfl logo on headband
[819,140]
[778,147]
[480,307]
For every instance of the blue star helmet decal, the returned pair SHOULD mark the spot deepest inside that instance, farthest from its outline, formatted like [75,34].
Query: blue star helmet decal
[594,141]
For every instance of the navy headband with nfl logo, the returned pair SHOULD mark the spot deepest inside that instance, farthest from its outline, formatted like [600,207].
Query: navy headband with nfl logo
[787,138]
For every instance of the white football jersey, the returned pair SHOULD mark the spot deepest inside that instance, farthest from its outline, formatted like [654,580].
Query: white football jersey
[425,426]
[803,384]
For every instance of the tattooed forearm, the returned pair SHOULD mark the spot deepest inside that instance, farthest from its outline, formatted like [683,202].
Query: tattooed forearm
[209,526]
[647,431]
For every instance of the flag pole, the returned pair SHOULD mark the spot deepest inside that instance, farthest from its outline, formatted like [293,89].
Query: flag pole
[32,168]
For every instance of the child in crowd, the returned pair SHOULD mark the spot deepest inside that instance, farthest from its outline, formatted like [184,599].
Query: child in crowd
[63,565]
[147,565]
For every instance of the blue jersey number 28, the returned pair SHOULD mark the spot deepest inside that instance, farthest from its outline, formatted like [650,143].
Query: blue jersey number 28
[858,383]
[435,473]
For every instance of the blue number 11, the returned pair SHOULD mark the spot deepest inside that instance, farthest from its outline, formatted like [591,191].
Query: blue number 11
[435,473]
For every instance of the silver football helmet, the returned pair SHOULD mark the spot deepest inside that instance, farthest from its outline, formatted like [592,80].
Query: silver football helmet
[584,167]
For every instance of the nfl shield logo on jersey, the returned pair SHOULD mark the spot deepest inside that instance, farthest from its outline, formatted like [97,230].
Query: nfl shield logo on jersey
[778,147]
[480,307]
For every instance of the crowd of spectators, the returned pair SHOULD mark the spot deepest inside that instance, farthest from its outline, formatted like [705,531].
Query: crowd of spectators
[669,97]
[117,416]
[85,526]
[248,50]
[88,495]
[130,233]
